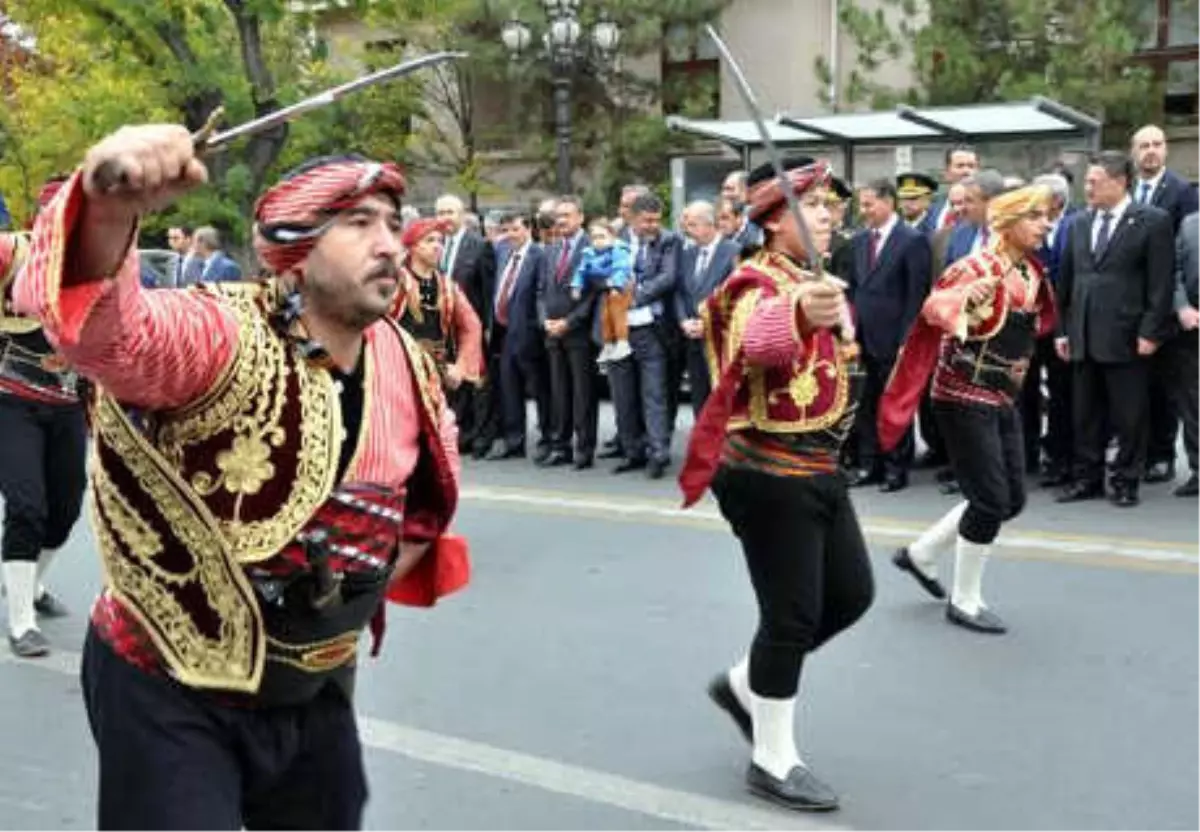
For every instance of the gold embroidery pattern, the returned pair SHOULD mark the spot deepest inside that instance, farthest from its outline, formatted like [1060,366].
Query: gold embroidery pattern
[234,659]
[15,324]
[249,404]
[317,657]
[132,531]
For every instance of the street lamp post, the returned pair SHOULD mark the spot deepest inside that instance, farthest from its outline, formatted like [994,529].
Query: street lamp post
[563,47]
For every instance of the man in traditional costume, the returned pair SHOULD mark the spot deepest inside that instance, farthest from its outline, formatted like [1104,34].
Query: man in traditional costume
[785,362]
[270,460]
[43,444]
[975,335]
[435,310]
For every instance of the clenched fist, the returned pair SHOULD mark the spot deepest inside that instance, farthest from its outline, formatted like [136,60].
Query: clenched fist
[140,169]
[822,302]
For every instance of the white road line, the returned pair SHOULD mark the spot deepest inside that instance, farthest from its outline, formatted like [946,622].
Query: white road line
[672,805]
[698,516]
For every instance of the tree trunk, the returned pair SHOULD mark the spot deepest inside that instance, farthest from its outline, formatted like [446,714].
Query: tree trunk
[263,148]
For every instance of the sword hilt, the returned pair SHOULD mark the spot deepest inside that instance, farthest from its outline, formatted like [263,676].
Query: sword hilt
[111,176]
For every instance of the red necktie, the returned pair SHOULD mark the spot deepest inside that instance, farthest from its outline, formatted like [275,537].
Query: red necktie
[948,218]
[564,261]
[874,250]
[510,276]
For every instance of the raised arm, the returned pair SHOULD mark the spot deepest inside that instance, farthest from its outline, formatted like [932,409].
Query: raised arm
[968,282]
[157,350]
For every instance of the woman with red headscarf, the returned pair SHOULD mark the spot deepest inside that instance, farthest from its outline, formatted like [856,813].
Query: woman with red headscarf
[434,310]
[768,441]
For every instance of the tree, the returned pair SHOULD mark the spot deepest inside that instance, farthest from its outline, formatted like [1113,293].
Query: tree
[105,62]
[489,102]
[976,51]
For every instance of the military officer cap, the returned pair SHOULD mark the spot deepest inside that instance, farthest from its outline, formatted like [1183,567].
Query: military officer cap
[914,185]
[839,191]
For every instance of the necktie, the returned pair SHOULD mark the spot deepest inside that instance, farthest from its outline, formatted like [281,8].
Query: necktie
[1102,237]
[984,236]
[564,260]
[506,287]
[639,265]
[448,255]
[1144,193]
[873,254]
[948,218]
[702,263]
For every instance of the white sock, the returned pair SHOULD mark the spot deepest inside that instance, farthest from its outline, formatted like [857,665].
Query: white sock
[739,680]
[924,550]
[774,735]
[43,564]
[20,579]
[969,560]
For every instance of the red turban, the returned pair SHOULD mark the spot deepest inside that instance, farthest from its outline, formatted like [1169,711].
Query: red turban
[766,196]
[419,229]
[289,218]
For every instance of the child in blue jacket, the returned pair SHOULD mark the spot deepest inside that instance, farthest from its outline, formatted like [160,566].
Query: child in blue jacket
[607,267]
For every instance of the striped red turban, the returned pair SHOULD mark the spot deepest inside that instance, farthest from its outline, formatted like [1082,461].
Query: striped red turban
[291,217]
[419,229]
[764,195]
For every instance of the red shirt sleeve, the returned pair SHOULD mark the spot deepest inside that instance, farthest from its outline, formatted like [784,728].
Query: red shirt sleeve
[157,349]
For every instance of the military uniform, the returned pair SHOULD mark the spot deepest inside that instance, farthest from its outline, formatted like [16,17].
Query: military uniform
[915,191]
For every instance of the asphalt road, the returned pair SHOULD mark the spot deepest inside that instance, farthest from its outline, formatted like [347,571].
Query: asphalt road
[565,687]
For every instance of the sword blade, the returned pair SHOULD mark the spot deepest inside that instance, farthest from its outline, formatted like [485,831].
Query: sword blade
[326,97]
[747,94]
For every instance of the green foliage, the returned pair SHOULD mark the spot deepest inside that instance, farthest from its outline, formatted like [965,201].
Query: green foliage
[976,51]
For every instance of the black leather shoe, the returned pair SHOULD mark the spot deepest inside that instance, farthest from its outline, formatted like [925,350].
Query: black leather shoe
[800,790]
[944,475]
[656,469]
[1124,496]
[31,644]
[1189,489]
[584,462]
[722,695]
[903,561]
[611,450]
[47,606]
[893,484]
[541,454]
[949,487]
[555,459]
[480,450]
[931,460]
[630,465]
[984,621]
[501,451]
[1079,491]
[861,477]
[1055,478]
[1159,472]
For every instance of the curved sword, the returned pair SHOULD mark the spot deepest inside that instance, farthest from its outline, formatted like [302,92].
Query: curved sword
[110,175]
[743,87]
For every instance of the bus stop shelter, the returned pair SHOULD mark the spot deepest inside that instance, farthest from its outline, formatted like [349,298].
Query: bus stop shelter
[1037,119]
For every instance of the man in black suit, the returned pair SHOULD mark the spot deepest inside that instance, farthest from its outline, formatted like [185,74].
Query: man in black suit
[703,267]
[1115,291]
[889,284]
[1163,188]
[569,345]
[517,339]
[470,260]
[639,381]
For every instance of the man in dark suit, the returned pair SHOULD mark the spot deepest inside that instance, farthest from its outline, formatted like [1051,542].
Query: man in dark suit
[1157,185]
[704,266]
[961,162]
[639,381]
[1186,345]
[470,260]
[1115,290]
[1060,430]
[971,232]
[216,266]
[516,339]
[890,282]
[569,345]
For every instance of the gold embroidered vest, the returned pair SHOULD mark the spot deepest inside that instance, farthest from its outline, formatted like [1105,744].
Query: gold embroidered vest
[184,501]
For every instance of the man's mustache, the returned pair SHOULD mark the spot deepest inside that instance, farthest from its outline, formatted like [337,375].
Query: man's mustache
[386,269]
